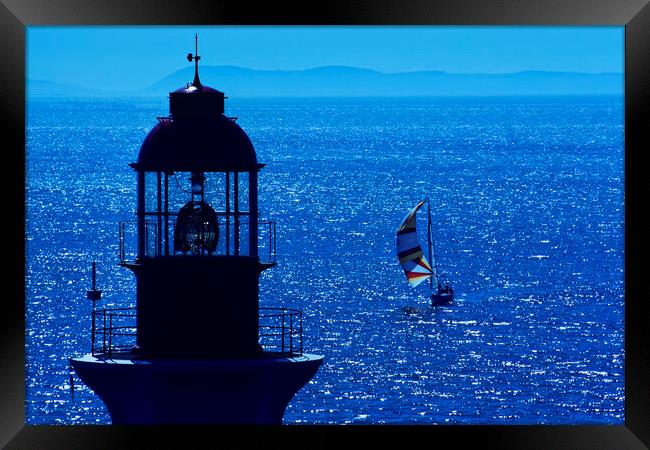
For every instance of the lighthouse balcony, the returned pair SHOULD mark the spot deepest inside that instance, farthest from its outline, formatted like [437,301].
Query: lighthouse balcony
[232,239]
[114,332]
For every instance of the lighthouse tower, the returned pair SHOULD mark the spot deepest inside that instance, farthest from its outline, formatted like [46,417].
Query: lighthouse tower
[197,348]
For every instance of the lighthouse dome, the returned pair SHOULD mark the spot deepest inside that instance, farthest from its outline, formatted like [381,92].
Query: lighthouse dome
[210,144]
[197,136]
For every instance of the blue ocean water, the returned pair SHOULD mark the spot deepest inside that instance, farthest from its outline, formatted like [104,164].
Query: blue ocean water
[528,220]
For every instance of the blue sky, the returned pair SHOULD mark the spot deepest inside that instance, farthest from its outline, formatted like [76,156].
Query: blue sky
[133,57]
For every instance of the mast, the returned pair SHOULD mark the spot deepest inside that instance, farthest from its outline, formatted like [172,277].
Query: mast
[432,257]
[430,244]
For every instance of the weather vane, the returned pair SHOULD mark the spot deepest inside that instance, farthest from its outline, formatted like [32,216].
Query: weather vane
[196,59]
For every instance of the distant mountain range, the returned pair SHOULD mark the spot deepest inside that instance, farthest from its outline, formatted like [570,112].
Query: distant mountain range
[343,81]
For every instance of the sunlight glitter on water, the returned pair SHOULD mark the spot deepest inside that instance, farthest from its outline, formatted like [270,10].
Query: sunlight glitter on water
[535,329]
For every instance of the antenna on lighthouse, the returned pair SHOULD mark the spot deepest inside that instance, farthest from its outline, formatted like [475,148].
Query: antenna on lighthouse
[94,294]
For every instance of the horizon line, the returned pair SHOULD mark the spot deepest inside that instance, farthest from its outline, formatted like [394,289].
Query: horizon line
[442,72]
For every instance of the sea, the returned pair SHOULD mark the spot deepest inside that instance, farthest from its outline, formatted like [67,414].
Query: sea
[527,205]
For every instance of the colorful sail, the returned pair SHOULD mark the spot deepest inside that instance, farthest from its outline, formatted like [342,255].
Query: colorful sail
[409,252]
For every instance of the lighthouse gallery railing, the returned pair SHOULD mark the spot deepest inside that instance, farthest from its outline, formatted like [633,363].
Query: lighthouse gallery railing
[114,330]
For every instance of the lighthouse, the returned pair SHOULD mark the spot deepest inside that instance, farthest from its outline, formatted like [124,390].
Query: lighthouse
[197,348]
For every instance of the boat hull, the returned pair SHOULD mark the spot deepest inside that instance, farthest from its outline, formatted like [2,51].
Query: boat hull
[442,299]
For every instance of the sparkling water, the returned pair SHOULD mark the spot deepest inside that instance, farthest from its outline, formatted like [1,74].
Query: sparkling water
[527,199]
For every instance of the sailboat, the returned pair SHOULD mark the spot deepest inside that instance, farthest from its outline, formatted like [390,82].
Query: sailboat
[411,257]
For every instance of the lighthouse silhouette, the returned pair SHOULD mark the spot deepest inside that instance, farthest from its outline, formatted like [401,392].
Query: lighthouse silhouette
[197,348]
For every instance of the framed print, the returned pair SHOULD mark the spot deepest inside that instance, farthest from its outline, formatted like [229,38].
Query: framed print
[429,210]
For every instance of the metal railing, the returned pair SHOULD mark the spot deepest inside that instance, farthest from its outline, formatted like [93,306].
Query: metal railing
[128,239]
[114,330]
[280,330]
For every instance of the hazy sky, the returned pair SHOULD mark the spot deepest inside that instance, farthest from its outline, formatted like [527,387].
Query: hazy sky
[113,57]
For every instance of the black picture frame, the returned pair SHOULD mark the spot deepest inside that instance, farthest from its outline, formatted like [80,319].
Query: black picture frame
[15,15]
